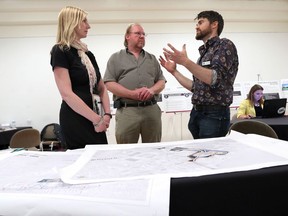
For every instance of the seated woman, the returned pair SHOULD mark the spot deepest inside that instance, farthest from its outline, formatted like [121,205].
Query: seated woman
[253,105]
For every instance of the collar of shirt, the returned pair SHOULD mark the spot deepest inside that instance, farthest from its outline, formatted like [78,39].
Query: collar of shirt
[142,52]
[209,43]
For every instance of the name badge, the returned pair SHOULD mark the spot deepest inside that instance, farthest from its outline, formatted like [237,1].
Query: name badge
[206,63]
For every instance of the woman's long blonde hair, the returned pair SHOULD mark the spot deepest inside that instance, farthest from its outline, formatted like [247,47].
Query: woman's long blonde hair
[69,18]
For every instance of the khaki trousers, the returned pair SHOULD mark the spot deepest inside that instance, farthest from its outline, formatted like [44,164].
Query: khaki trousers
[131,122]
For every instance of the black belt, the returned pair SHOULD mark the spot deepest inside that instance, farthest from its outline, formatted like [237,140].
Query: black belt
[138,104]
[209,107]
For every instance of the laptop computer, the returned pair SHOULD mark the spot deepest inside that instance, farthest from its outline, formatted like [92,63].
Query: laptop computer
[274,108]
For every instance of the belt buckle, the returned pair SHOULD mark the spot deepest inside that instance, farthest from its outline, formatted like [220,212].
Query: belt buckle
[150,103]
[143,103]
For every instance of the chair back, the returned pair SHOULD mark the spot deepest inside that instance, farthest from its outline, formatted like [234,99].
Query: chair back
[26,138]
[51,136]
[253,127]
[48,133]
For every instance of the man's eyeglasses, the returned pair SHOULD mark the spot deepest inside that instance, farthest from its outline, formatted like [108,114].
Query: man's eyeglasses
[139,34]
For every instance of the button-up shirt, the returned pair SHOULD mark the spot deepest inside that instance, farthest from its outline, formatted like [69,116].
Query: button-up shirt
[221,56]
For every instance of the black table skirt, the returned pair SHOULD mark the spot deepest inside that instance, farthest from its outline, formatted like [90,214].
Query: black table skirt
[258,192]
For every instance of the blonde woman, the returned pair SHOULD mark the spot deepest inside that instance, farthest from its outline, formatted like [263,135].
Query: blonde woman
[252,106]
[77,77]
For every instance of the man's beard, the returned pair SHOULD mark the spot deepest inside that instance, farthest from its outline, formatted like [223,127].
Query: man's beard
[202,34]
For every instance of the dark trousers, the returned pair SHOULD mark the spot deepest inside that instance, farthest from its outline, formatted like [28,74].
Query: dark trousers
[209,123]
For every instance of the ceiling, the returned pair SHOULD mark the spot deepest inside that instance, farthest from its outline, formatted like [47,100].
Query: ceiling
[29,12]
[26,16]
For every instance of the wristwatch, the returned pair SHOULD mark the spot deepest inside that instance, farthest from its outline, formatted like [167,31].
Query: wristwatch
[108,114]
